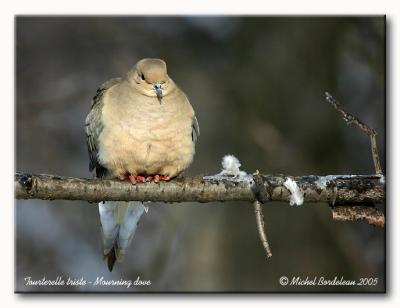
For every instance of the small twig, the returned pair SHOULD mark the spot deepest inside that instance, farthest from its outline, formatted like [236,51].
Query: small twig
[350,119]
[260,227]
[260,191]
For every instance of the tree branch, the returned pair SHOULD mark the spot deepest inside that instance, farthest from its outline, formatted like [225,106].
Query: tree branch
[350,119]
[352,212]
[332,189]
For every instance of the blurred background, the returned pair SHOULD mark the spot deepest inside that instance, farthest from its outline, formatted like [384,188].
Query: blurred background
[257,85]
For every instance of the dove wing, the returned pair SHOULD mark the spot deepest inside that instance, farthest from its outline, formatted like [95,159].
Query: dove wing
[94,127]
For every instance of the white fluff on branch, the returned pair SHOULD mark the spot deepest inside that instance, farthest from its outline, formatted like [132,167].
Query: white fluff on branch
[296,196]
[323,181]
[231,165]
[230,170]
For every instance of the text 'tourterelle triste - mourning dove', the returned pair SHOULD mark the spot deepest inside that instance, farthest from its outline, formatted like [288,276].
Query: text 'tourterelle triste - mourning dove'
[140,128]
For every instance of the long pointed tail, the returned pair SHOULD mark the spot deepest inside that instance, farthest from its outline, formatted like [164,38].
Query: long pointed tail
[118,221]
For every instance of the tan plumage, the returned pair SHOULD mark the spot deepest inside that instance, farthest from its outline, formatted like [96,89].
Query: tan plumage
[131,131]
[142,124]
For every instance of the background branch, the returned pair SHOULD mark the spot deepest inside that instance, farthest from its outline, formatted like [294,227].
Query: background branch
[350,119]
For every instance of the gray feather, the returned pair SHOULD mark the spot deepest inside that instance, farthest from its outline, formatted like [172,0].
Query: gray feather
[195,129]
[94,127]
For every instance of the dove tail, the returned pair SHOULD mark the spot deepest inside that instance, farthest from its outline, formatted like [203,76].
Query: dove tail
[118,221]
[110,259]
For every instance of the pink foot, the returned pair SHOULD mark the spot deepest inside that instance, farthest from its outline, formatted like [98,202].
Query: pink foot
[136,179]
[141,179]
[132,179]
[158,178]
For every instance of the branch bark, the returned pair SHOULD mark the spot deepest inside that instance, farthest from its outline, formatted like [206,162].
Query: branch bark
[351,213]
[362,190]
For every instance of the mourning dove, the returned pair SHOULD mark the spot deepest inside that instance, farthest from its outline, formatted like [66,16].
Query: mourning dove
[140,128]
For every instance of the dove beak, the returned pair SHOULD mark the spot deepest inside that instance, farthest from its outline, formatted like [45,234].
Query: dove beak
[158,88]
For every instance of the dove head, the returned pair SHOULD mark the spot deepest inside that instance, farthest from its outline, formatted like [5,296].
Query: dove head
[150,76]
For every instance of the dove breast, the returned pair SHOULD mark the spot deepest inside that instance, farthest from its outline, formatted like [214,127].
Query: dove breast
[143,136]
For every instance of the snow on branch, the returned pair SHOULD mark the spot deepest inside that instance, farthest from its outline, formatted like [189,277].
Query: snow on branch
[296,196]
